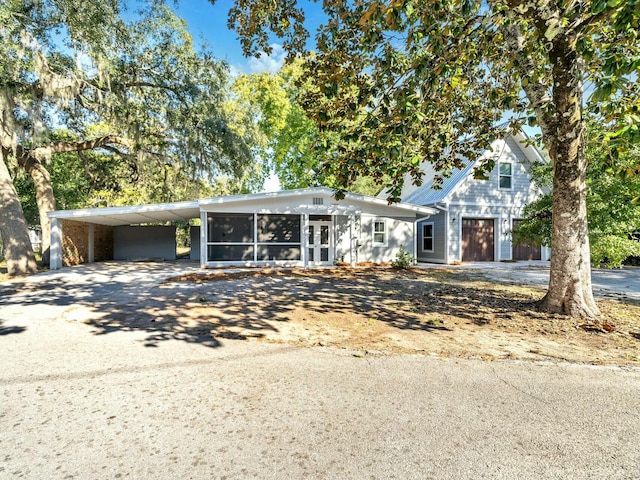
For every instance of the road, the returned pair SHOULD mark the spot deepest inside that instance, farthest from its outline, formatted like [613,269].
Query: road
[76,402]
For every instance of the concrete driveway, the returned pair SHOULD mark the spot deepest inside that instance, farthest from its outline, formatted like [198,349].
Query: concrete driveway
[76,402]
[622,283]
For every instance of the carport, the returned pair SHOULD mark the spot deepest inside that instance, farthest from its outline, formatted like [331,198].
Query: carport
[89,231]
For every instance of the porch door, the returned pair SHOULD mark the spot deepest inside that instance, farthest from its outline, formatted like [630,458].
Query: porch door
[320,248]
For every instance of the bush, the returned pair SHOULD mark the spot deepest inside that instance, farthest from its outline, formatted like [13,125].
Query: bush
[611,251]
[403,259]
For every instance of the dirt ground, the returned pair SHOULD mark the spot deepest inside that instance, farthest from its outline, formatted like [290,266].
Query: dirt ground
[440,312]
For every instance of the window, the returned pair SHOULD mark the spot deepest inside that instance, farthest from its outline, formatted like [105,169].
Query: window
[379,232]
[427,237]
[505,175]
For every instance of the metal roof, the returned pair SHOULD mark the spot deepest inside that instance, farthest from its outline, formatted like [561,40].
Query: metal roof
[427,195]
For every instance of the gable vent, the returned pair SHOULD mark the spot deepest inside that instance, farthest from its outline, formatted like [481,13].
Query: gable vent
[318,200]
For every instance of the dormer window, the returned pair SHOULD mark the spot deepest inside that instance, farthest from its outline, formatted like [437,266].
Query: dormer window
[506,175]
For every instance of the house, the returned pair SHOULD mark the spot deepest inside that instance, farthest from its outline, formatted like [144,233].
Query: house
[303,228]
[475,217]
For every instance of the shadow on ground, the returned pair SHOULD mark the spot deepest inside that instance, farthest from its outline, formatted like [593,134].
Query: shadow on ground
[270,304]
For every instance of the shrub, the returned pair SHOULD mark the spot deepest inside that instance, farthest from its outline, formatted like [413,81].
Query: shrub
[403,259]
[611,250]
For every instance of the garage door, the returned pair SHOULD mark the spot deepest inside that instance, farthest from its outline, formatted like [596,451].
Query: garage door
[477,240]
[525,252]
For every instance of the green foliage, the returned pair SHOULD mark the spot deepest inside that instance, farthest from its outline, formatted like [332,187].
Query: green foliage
[287,138]
[405,81]
[88,73]
[403,259]
[613,210]
[535,227]
[612,250]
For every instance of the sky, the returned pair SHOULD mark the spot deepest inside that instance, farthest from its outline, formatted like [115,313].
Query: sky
[208,23]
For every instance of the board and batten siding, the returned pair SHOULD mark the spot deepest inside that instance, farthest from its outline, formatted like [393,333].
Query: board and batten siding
[439,239]
[399,233]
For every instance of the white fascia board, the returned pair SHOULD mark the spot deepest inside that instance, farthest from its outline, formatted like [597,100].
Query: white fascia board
[381,202]
[530,151]
[117,211]
[266,195]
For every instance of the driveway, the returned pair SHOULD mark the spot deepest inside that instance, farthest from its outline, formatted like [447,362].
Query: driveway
[81,402]
[622,283]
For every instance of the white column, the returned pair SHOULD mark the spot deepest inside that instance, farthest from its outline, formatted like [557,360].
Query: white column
[305,240]
[91,245]
[447,240]
[55,250]
[255,238]
[203,239]
[352,239]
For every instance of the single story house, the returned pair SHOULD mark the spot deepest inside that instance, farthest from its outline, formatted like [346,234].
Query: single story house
[303,228]
[475,217]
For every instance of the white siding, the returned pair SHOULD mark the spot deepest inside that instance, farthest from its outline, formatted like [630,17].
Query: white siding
[342,235]
[399,232]
[487,192]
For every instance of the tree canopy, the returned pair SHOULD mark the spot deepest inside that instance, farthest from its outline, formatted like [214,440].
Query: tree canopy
[77,77]
[613,201]
[290,143]
[402,81]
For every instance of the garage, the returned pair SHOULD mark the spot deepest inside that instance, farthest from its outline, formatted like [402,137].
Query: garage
[523,251]
[478,240]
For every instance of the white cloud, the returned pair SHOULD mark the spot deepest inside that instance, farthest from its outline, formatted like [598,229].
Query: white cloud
[268,63]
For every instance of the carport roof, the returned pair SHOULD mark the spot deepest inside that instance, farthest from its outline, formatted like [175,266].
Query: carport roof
[115,216]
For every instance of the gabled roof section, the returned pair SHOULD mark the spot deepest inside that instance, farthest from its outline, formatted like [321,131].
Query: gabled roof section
[316,191]
[427,195]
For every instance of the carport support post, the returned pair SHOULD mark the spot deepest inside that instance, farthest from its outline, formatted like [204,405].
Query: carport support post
[203,239]
[90,246]
[55,251]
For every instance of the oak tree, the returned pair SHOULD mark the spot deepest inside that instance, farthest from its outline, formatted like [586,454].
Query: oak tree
[404,80]
[135,89]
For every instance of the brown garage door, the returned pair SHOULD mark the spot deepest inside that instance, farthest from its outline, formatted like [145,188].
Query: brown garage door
[525,252]
[477,240]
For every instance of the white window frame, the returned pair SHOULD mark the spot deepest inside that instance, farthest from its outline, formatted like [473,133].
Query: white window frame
[384,232]
[426,224]
[510,187]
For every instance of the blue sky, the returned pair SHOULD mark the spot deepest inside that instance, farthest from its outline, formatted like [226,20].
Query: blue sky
[208,23]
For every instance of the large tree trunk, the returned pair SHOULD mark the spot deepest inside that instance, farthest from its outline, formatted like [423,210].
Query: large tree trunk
[13,228]
[570,289]
[30,160]
[45,200]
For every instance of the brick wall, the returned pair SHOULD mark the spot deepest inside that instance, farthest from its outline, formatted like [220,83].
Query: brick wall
[102,243]
[75,243]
